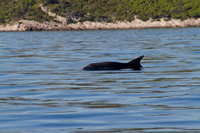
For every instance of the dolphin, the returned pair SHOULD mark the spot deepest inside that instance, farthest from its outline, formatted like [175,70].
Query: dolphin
[133,64]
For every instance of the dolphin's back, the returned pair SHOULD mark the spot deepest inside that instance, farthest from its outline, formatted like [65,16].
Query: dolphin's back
[104,66]
[133,64]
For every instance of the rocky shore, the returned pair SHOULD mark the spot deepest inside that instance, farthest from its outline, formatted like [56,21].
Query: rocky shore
[26,25]
[61,23]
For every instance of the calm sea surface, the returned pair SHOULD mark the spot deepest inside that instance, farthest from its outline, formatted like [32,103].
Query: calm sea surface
[43,89]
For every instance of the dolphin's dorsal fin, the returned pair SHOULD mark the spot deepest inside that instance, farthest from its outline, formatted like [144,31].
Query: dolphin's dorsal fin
[136,60]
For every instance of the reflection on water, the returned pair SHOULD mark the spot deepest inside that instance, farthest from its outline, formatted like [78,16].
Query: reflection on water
[43,89]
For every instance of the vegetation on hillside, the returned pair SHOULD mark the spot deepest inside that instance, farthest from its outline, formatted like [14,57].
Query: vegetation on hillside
[99,10]
[14,10]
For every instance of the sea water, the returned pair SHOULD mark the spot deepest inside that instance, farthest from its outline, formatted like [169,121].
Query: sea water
[43,89]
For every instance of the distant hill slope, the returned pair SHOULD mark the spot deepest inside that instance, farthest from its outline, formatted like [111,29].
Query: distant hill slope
[98,10]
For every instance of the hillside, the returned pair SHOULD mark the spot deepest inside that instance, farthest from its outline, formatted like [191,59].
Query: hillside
[60,13]
[99,10]
[112,10]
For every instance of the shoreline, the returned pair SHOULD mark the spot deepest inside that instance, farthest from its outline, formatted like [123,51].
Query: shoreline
[31,25]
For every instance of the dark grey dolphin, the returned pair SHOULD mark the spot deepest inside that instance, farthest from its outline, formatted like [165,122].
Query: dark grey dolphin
[133,64]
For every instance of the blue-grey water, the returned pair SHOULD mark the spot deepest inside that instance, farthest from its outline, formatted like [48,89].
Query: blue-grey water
[43,89]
